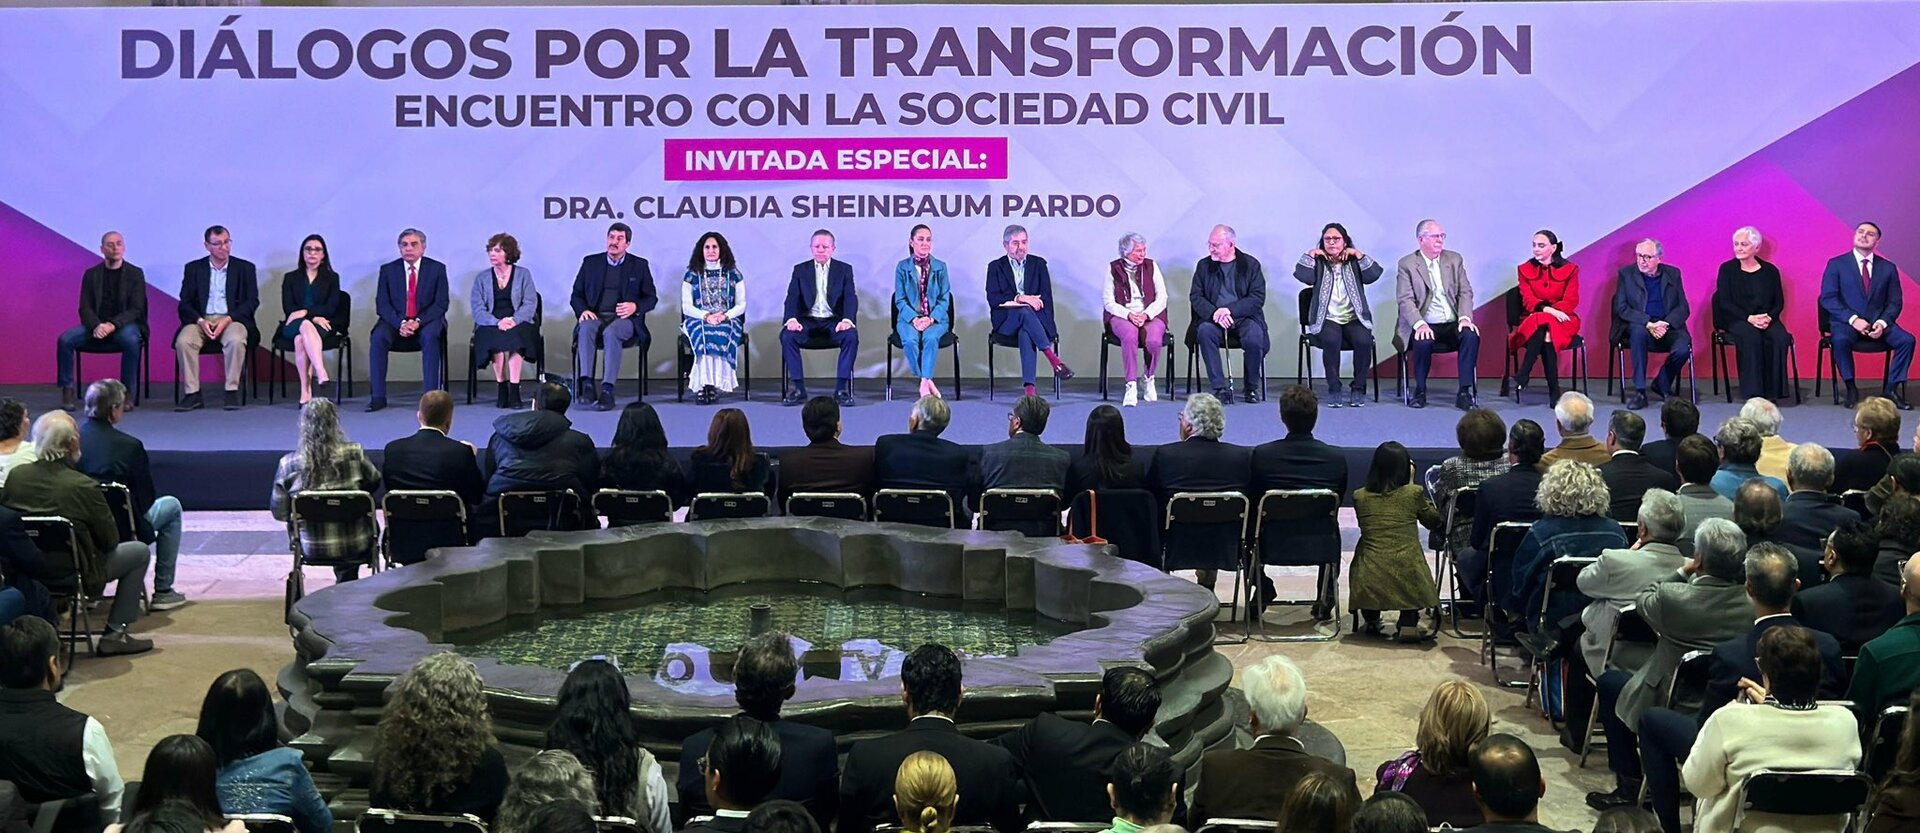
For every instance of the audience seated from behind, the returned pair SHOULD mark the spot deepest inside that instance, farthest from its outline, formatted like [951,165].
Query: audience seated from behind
[1895,806]
[1390,569]
[550,775]
[1201,461]
[431,458]
[1107,461]
[1254,783]
[1779,725]
[1876,427]
[257,773]
[1434,775]
[1023,460]
[435,751]
[1697,461]
[49,751]
[763,681]
[1810,512]
[1573,417]
[781,816]
[639,460]
[1615,580]
[926,795]
[1507,785]
[51,485]
[15,448]
[728,462]
[740,769]
[1573,503]
[593,720]
[1757,511]
[539,450]
[110,455]
[1387,812]
[1505,497]
[1480,434]
[326,460]
[170,817]
[1627,472]
[1889,665]
[920,459]
[825,464]
[1065,761]
[1899,527]
[1143,788]
[1852,605]
[24,570]
[179,773]
[1774,450]
[1679,419]
[1298,461]
[988,779]
[1319,801]
[1903,476]
[1739,441]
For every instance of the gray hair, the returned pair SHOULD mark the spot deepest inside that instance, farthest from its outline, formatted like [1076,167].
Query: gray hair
[1753,235]
[1763,414]
[1277,694]
[552,775]
[1629,430]
[1012,229]
[1810,466]
[1658,249]
[933,414]
[1739,440]
[1420,228]
[1719,544]
[1130,240]
[55,437]
[414,232]
[1662,515]
[103,396]
[1572,489]
[1228,231]
[1204,413]
[1574,412]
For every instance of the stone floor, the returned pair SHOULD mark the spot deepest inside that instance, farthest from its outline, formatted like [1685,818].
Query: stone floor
[1368,692]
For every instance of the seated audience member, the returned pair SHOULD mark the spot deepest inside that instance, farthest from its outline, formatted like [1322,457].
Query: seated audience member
[562,816]
[1254,783]
[593,720]
[1739,441]
[23,569]
[1135,303]
[1022,460]
[1679,419]
[1480,433]
[1852,605]
[1507,785]
[1434,775]
[110,455]
[258,773]
[1895,806]
[1902,479]
[926,794]
[1694,609]
[920,459]
[1573,417]
[1298,461]
[1876,426]
[539,450]
[1390,569]
[436,752]
[1627,472]
[548,776]
[1774,451]
[1106,459]
[763,676]
[1143,787]
[1696,461]
[431,458]
[1319,801]
[639,459]
[1626,820]
[1573,508]
[171,817]
[1065,761]
[325,460]
[48,751]
[51,485]
[15,448]
[825,464]
[1201,462]
[781,816]
[728,462]
[1810,512]
[1616,579]
[1899,526]
[989,781]
[1889,665]
[179,772]
[1507,497]
[1387,812]
[1756,510]
[741,767]
[1780,726]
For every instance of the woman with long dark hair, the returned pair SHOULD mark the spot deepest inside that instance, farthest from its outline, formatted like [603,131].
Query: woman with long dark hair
[713,303]
[728,462]
[257,774]
[311,297]
[180,773]
[639,458]
[593,719]
[1549,294]
[436,752]
[1106,459]
[1389,565]
[1339,317]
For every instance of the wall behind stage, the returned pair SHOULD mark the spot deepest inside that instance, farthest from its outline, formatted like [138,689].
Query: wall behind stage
[1604,122]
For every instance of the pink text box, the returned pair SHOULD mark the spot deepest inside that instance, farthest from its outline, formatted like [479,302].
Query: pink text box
[738,160]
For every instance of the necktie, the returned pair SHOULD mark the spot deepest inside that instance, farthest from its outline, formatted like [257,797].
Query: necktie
[413,284]
[1866,278]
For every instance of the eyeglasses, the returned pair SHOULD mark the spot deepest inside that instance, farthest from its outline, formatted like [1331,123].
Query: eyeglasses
[1442,237]
[1644,257]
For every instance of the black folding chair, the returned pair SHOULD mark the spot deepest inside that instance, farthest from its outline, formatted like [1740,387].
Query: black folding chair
[1883,742]
[813,341]
[1722,369]
[626,507]
[950,340]
[213,347]
[525,511]
[1196,368]
[59,541]
[843,505]
[1563,576]
[264,822]
[1303,370]
[539,349]
[685,367]
[1238,826]
[395,821]
[1516,312]
[1628,629]
[617,824]
[1806,794]
[340,507]
[1620,365]
[711,506]
[79,814]
[1109,341]
[1825,359]
[139,388]
[1688,687]
[1856,499]
[995,340]
[1502,545]
[1208,531]
[642,339]
[340,341]
[1446,573]
[1034,513]
[1299,528]
[922,507]
[1403,366]
[1066,827]
[418,520]
[120,503]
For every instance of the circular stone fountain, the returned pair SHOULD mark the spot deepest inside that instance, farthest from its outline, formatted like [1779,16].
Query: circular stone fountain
[1037,620]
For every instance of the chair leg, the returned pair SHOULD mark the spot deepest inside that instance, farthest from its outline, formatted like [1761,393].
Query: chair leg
[889,391]
[990,372]
[956,370]
[1103,369]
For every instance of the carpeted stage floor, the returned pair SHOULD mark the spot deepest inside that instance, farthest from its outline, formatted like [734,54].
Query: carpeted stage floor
[214,459]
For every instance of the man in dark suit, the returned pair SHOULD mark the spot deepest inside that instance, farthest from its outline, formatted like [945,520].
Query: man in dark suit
[612,294]
[1253,783]
[1229,295]
[988,777]
[822,302]
[23,567]
[110,455]
[1679,419]
[1066,762]
[1298,461]
[432,459]
[1200,462]
[1810,514]
[1021,295]
[1628,474]
[411,306]
[1650,315]
[1507,785]
[217,292]
[919,459]
[1022,460]
[113,311]
[825,464]
[1853,606]
[1861,293]
[739,768]
[1503,497]
[763,680]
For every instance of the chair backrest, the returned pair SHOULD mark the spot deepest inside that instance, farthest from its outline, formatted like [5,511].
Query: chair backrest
[395,821]
[264,822]
[1689,684]
[523,512]
[1306,304]
[1238,826]
[1632,627]
[1298,527]
[1460,507]
[1816,792]
[1204,530]
[709,506]
[844,505]
[628,507]
[79,814]
[924,507]
[120,502]
[418,520]
[617,824]
[1856,499]
[1563,576]
[1883,745]
[331,506]
[1034,513]
[1128,518]
[57,538]
[1066,827]
[1502,546]
[1516,307]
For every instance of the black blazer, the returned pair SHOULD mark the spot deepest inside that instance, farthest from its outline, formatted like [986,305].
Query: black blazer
[429,459]
[1630,299]
[1660,454]
[636,283]
[988,777]
[326,295]
[1198,464]
[1734,659]
[1629,475]
[1253,783]
[1066,765]
[1249,288]
[1001,288]
[108,454]
[1504,497]
[717,824]
[243,292]
[130,296]
[1298,461]
[1863,468]
[827,466]
[809,770]
[1853,607]
[23,565]
[714,474]
[1809,517]
[1084,475]
[843,297]
[923,461]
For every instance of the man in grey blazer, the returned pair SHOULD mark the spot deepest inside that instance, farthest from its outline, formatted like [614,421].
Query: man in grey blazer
[1436,312]
[1616,579]
[1022,461]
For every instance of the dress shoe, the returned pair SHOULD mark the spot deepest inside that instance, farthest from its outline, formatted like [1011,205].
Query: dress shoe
[500,398]
[1848,399]
[843,397]
[1898,400]
[605,402]
[1466,400]
[796,395]
[231,401]
[1062,371]
[68,401]
[1637,401]
[1251,394]
[1418,400]
[1625,795]
[376,404]
[117,642]
[190,402]
[1225,395]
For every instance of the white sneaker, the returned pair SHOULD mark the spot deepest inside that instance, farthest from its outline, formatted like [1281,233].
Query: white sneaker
[1133,396]
[1152,395]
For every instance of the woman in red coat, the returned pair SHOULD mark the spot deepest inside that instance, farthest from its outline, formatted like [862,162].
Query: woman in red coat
[1549,290]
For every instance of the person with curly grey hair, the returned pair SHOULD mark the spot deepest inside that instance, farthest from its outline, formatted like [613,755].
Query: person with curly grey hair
[1135,301]
[550,775]
[1739,440]
[1573,501]
[436,752]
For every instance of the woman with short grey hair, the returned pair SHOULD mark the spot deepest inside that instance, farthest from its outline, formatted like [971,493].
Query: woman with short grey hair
[1573,501]
[1135,301]
[1747,302]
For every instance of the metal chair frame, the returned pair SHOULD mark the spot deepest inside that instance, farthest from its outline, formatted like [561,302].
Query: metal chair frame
[1109,341]
[1883,745]
[1619,364]
[897,501]
[950,340]
[1231,341]
[809,345]
[333,505]
[264,822]
[1213,507]
[140,388]
[1446,571]
[1015,506]
[1825,358]
[342,355]
[1270,504]
[1564,571]
[723,505]
[1846,788]
[475,362]
[1505,539]
[557,504]
[376,820]
[998,340]
[1577,347]
[683,372]
[419,506]
[1238,826]
[1629,628]
[844,505]
[249,365]
[631,507]
[1303,352]
[1721,370]
[55,536]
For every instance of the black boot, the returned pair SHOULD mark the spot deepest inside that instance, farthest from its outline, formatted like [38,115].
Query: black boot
[501,400]
[513,396]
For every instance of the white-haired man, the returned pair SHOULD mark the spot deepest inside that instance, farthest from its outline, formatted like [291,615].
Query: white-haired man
[1573,415]
[1229,296]
[1200,462]
[1253,783]
[1436,312]
[1650,315]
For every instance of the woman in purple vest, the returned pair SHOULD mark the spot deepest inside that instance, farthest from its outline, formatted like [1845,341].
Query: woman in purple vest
[1135,298]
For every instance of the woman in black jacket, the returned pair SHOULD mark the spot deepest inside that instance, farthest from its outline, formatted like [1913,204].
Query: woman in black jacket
[311,297]
[1106,459]
[639,459]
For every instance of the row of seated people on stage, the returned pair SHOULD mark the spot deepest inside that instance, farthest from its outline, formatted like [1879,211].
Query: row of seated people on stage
[613,292]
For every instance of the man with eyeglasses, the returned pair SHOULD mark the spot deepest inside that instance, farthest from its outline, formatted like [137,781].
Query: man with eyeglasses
[217,292]
[1436,313]
[1860,291]
[1650,315]
[1023,460]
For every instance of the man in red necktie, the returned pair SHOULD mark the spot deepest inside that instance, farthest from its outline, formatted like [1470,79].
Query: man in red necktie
[1860,292]
[412,307]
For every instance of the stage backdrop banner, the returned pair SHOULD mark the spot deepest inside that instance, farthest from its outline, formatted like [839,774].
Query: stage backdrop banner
[1604,122]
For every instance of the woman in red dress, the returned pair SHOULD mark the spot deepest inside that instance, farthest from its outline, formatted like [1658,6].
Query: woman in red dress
[1549,290]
